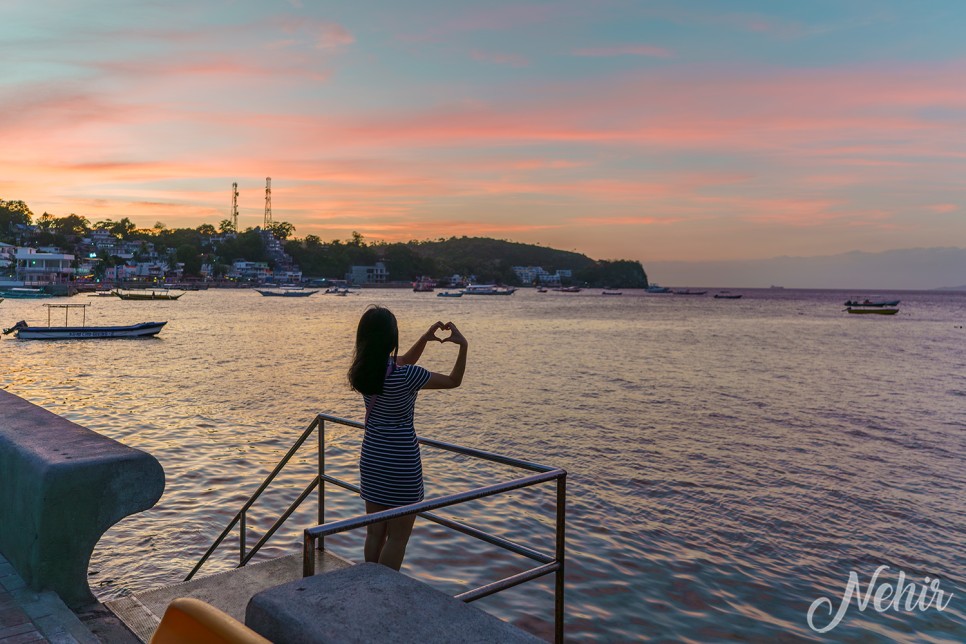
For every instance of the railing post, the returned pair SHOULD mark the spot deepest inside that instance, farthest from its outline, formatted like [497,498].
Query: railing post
[321,480]
[558,621]
[242,537]
[308,555]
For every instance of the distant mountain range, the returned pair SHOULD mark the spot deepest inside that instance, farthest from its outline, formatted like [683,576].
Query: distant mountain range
[901,269]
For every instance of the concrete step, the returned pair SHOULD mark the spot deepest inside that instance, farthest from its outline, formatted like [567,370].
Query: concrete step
[228,591]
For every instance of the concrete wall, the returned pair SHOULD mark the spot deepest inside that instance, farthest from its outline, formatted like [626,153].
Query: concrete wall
[61,487]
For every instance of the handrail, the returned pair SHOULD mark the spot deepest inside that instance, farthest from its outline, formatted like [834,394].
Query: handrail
[314,537]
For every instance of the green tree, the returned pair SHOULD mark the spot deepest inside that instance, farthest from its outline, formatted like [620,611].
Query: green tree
[207,229]
[191,258]
[280,229]
[226,226]
[45,222]
[72,225]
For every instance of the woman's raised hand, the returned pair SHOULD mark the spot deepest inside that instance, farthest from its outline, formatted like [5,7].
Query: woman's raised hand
[431,333]
[454,335]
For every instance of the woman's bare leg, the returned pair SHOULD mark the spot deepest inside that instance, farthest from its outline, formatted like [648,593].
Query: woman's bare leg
[395,547]
[375,534]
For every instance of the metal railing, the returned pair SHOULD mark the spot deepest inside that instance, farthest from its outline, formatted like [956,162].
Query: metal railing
[314,537]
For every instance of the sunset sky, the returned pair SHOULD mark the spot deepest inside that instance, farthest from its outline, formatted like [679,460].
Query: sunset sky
[656,131]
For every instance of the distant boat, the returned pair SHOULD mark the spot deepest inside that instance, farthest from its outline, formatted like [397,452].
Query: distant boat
[336,290]
[146,295]
[449,294]
[873,310]
[688,292]
[541,289]
[611,293]
[424,285]
[724,295]
[488,289]
[568,289]
[24,331]
[286,292]
[868,302]
[654,288]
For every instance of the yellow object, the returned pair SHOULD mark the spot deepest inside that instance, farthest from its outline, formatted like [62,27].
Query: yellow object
[192,621]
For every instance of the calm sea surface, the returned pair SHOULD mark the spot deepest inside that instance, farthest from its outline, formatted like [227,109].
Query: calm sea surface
[730,461]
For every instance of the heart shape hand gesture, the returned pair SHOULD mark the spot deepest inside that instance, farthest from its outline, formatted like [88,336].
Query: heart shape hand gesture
[454,334]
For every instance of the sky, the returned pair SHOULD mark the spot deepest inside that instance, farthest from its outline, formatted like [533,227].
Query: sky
[659,131]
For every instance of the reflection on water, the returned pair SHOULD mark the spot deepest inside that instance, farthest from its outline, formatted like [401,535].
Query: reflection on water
[730,461]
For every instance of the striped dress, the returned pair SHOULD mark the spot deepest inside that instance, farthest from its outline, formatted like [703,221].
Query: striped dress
[390,470]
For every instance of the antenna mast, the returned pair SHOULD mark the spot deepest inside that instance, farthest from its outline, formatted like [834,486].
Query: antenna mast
[234,206]
[268,202]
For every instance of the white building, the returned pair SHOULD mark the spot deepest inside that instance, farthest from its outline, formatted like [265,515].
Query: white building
[43,268]
[536,275]
[367,274]
[256,271]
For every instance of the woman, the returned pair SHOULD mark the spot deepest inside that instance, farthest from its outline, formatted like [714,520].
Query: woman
[390,469]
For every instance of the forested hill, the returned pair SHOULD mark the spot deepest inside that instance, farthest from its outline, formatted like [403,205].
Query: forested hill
[490,260]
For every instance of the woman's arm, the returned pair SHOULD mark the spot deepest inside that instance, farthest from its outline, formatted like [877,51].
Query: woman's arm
[455,377]
[412,356]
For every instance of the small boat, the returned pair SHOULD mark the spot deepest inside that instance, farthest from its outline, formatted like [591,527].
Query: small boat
[568,289]
[688,292]
[541,290]
[878,311]
[654,288]
[488,289]
[868,302]
[336,290]
[146,295]
[724,295]
[449,294]
[286,292]
[24,331]
[24,293]
[424,285]
[611,293]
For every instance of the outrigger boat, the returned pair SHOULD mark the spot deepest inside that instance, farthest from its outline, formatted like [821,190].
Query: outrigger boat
[286,292]
[24,331]
[868,302]
[146,295]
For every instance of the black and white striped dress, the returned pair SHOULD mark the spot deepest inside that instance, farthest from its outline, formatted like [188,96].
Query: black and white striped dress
[390,470]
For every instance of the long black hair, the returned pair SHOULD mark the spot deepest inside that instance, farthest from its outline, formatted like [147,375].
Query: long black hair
[376,339]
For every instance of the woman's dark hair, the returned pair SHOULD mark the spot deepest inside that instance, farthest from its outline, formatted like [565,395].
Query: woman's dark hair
[376,339]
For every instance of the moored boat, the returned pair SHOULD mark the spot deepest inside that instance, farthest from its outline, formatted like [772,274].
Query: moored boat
[725,295]
[24,292]
[611,292]
[287,292]
[654,288]
[868,302]
[24,331]
[488,289]
[449,294]
[146,295]
[686,291]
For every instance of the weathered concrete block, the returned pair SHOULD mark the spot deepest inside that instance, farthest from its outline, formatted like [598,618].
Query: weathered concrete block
[61,487]
[371,603]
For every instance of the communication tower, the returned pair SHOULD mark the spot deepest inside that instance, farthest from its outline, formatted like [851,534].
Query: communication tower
[234,206]
[268,202]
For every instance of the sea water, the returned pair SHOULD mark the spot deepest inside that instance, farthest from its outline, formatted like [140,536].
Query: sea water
[731,462]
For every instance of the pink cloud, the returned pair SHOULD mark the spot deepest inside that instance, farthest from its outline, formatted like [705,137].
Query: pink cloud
[624,50]
[943,208]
